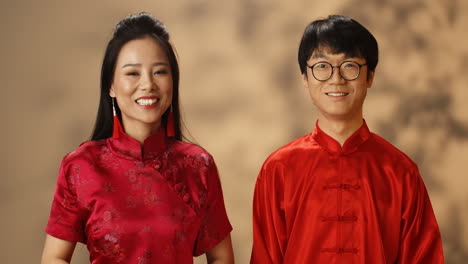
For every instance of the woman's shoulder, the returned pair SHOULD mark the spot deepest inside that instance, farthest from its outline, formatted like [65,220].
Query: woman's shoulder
[189,155]
[189,149]
[86,150]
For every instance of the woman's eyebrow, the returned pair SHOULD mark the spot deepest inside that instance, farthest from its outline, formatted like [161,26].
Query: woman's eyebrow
[139,64]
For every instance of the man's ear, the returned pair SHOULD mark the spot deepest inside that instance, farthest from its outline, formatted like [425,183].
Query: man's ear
[305,80]
[370,79]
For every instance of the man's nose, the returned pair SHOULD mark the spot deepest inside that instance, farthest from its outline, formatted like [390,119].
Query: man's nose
[336,75]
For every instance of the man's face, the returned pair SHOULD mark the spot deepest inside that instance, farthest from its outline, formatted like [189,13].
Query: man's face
[337,98]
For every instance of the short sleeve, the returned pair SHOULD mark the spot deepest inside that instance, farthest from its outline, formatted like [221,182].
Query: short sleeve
[215,225]
[65,221]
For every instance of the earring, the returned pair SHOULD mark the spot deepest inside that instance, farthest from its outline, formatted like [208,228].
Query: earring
[170,124]
[116,127]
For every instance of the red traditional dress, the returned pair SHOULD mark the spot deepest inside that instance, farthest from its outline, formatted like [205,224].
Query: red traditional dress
[365,202]
[157,203]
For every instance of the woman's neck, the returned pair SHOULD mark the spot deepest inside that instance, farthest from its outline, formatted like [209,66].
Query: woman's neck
[140,131]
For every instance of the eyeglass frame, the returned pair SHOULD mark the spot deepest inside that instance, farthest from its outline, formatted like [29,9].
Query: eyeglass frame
[333,70]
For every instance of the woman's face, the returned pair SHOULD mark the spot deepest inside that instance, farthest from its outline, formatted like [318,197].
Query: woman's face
[142,84]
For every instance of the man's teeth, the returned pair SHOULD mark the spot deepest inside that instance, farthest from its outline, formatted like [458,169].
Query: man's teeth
[146,101]
[337,94]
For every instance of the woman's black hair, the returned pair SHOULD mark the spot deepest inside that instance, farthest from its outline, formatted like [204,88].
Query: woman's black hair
[341,34]
[130,28]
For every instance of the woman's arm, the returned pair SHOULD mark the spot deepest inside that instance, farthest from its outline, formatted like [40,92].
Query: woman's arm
[57,251]
[221,253]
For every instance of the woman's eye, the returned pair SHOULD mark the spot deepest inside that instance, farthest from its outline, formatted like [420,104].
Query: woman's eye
[132,73]
[159,72]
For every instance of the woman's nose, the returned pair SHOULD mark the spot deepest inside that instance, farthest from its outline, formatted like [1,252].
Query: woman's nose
[146,82]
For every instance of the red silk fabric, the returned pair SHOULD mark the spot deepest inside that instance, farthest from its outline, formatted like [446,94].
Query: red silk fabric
[160,202]
[365,202]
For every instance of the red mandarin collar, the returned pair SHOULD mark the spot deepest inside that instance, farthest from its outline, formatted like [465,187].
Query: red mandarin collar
[351,144]
[130,148]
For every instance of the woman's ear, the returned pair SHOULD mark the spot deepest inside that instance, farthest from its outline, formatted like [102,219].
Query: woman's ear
[111,91]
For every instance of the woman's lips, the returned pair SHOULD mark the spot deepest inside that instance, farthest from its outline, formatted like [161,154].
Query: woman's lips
[147,101]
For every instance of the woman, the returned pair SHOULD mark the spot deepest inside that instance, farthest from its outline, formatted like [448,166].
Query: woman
[136,193]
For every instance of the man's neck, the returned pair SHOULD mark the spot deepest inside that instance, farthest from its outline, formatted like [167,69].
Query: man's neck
[340,130]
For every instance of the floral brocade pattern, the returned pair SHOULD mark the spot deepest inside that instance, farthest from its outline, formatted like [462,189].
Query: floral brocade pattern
[160,202]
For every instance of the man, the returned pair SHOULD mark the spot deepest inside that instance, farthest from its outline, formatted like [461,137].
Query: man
[341,194]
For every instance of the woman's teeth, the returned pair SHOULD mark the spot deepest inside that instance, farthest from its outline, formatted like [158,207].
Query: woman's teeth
[146,101]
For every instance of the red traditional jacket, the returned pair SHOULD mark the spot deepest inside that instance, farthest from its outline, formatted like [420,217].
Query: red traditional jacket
[365,202]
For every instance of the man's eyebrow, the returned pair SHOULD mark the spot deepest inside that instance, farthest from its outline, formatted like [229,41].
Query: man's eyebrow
[319,55]
[139,64]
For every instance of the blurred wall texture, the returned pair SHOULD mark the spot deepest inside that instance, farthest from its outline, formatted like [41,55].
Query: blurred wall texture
[241,92]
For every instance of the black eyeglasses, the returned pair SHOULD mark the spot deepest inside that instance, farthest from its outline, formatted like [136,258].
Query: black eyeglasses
[323,71]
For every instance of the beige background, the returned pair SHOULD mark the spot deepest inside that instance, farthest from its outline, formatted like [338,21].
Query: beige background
[241,93]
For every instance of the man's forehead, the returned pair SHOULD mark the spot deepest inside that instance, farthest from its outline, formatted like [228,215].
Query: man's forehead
[327,53]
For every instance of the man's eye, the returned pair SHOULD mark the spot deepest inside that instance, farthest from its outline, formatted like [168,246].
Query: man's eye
[321,66]
[349,65]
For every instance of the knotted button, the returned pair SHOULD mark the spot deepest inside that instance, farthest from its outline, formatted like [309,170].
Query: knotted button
[140,165]
[157,165]
[339,218]
[347,218]
[339,250]
[346,250]
[186,198]
[349,186]
[178,187]
[342,186]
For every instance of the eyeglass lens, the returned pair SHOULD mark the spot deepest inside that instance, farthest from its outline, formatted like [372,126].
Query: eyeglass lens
[349,70]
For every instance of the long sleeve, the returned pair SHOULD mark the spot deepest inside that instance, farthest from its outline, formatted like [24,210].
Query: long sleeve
[269,227]
[420,240]
[317,201]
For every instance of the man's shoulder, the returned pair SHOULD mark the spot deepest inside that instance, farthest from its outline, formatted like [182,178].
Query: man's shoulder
[387,150]
[292,149]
